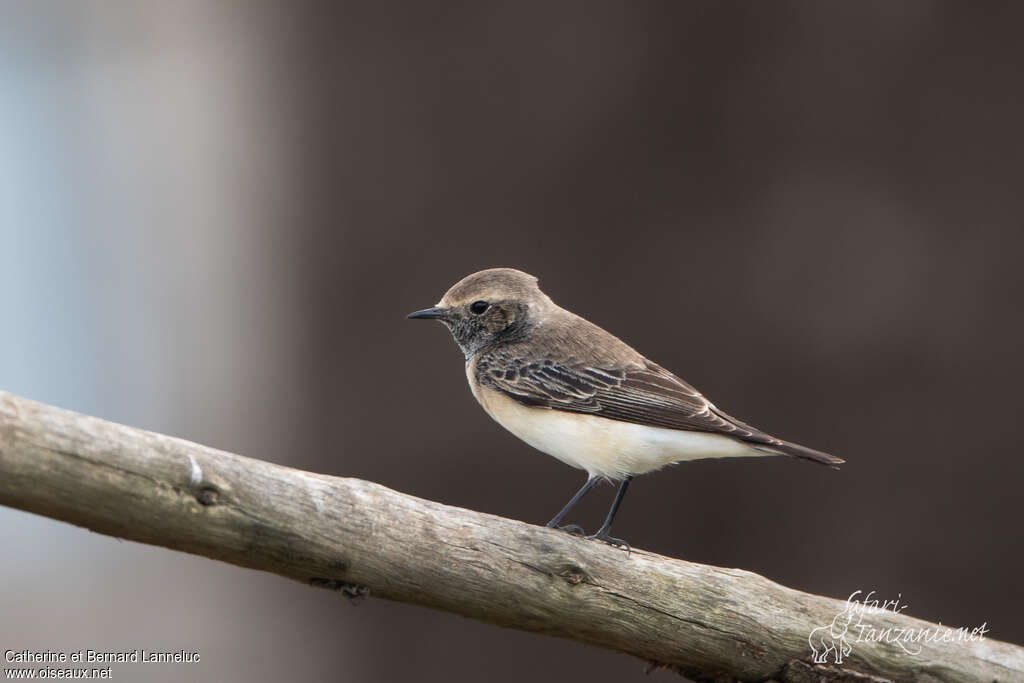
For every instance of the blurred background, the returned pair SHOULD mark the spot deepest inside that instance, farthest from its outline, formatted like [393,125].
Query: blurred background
[214,217]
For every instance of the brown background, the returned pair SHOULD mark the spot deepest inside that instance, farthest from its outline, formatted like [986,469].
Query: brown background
[218,214]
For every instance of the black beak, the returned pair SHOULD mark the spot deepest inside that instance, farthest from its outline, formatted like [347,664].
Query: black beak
[428,313]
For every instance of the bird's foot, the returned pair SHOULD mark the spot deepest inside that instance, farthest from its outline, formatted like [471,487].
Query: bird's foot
[573,529]
[603,535]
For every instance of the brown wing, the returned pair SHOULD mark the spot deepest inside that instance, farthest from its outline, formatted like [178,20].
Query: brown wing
[646,394]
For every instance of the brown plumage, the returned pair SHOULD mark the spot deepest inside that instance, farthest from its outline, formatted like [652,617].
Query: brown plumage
[530,361]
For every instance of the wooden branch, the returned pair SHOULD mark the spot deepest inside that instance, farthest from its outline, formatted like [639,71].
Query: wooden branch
[356,536]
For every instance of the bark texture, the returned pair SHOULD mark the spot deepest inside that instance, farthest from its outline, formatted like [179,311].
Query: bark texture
[358,537]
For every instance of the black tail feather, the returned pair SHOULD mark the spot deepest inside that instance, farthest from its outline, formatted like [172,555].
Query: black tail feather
[798,451]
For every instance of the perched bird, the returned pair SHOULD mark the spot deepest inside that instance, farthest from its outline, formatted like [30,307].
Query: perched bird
[578,393]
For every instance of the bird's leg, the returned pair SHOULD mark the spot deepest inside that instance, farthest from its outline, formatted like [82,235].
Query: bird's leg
[572,528]
[602,533]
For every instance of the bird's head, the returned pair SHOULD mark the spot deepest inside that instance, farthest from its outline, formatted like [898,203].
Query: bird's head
[487,307]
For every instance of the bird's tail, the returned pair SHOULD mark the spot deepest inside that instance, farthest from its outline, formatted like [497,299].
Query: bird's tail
[797,451]
[769,444]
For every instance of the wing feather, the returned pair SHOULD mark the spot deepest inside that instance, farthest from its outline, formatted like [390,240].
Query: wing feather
[647,394]
[609,379]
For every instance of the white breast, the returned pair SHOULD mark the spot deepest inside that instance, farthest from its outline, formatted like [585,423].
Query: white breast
[603,447]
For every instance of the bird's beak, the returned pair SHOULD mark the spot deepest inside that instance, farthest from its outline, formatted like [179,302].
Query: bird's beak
[434,313]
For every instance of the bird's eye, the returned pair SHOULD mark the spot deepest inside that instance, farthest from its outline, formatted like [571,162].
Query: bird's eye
[479,307]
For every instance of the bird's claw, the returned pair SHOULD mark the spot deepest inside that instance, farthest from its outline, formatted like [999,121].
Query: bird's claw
[573,529]
[617,542]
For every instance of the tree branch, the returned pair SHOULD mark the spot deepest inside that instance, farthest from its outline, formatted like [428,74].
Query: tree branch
[353,536]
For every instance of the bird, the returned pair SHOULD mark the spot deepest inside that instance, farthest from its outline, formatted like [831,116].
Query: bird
[578,393]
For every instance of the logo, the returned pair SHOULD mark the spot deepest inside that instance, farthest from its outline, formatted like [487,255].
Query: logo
[860,621]
[831,639]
